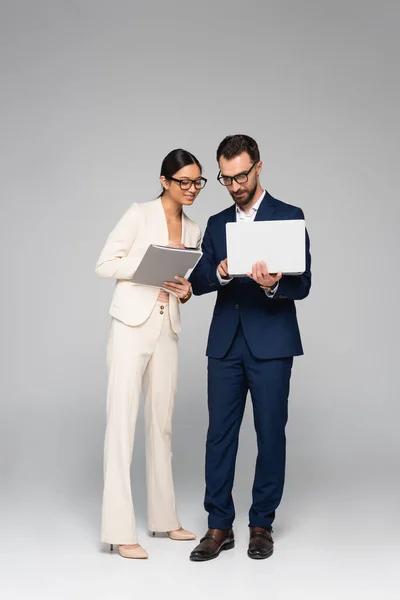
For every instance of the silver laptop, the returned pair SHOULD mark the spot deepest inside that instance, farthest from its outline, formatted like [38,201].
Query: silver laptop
[281,244]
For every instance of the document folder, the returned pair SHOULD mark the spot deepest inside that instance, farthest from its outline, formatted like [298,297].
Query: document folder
[161,263]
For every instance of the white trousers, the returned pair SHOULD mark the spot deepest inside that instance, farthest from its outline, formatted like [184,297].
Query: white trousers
[143,357]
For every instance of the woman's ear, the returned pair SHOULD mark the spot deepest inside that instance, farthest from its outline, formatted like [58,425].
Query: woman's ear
[164,182]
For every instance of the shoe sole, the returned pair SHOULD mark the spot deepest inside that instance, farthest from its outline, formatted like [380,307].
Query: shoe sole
[255,557]
[228,546]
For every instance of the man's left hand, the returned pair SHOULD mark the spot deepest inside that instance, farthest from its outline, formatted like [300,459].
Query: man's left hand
[261,275]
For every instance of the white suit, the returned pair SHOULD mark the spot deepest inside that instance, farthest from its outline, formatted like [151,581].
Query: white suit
[142,353]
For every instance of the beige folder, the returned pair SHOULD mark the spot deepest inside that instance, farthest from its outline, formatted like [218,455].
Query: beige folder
[161,263]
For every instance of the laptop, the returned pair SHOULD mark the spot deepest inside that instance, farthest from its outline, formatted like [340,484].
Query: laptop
[281,244]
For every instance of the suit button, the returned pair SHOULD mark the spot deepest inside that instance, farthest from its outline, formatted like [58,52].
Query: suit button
[237,306]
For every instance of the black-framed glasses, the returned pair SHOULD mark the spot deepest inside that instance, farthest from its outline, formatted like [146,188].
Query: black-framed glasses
[239,178]
[186,184]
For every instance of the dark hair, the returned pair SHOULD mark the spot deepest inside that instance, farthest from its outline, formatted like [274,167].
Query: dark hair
[175,161]
[233,145]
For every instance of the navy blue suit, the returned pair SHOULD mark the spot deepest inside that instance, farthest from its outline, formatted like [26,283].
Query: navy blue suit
[251,345]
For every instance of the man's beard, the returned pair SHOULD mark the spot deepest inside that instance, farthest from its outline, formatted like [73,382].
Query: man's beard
[246,199]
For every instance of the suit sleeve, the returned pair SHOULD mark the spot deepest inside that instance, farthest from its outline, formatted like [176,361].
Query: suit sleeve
[114,261]
[204,276]
[296,287]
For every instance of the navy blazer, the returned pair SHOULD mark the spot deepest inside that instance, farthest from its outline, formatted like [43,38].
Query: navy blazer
[270,324]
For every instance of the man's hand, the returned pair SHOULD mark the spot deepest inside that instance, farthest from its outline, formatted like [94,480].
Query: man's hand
[181,289]
[223,269]
[261,276]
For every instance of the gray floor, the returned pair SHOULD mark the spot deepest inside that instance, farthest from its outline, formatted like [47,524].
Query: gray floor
[336,531]
[331,542]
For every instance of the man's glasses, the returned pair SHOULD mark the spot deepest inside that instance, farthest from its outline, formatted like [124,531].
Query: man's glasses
[240,178]
[186,184]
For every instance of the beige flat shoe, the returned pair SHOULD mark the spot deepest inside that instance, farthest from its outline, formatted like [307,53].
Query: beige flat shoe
[181,535]
[130,551]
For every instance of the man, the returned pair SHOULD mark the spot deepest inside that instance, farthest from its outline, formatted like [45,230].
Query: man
[253,338]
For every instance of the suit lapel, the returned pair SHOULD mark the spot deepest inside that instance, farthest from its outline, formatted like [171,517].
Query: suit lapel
[230,216]
[266,209]
[264,213]
[160,222]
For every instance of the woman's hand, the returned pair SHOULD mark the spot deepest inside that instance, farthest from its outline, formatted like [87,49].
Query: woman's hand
[176,245]
[181,289]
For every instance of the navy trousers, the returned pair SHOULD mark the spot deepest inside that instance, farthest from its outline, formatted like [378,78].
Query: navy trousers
[229,380]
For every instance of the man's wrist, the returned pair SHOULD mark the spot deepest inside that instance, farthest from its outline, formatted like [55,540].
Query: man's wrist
[222,280]
[270,291]
[269,288]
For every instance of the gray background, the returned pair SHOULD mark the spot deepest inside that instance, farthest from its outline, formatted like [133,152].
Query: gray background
[94,93]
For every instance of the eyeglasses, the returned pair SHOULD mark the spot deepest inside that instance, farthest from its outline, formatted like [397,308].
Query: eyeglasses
[186,184]
[240,178]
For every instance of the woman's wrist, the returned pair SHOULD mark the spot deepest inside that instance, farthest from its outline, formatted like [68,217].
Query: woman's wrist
[186,297]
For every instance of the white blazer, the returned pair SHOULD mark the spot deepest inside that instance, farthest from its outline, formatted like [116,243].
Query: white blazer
[142,225]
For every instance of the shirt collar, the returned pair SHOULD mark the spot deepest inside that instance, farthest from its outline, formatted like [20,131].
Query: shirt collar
[254,208]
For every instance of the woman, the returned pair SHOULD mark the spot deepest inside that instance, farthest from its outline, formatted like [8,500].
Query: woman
[142,354]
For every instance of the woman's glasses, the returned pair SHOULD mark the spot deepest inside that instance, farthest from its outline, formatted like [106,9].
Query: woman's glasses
[186,184]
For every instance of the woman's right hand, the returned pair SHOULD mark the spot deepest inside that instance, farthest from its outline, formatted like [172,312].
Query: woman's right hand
[181,287]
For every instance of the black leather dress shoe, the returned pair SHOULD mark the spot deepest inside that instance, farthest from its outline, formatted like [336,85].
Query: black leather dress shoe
[261,544]
[212,544]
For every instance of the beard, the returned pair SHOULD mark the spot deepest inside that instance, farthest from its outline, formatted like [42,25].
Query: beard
[246,199]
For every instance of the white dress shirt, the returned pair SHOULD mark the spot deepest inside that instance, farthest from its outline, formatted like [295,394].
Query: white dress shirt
[248,218]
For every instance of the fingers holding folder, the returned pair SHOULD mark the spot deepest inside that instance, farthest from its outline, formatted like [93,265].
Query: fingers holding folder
[168,267]
[176,245]
[181,287]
